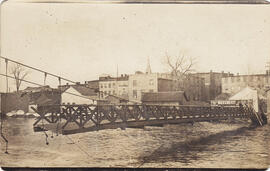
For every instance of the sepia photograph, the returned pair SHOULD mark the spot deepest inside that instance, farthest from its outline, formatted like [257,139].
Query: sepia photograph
[135,84]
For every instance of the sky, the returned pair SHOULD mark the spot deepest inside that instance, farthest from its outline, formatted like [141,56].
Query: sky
[81,41]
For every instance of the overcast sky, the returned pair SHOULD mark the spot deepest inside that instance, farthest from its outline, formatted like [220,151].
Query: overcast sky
[83,41]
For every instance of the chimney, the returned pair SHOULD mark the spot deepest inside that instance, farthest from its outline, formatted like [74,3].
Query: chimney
[77,83]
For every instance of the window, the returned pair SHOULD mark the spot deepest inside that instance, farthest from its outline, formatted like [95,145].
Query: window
[109,92]
[151,82]
[113,84]
[109,86]
[113,91]
[232,79]
[245,79]
[226,79]
[134,83]
[134,93]
[101,86]
[105,85]
[151,91]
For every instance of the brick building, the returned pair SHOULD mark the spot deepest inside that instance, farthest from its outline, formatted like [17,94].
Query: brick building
[146,82]
[117,86]
[193,86]
[140,83]
[233,84]
[213,83]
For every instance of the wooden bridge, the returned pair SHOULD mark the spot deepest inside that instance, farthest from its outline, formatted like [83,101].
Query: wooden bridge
[84,118]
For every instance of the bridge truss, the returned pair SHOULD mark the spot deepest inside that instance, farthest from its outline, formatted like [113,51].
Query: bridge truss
[84,118]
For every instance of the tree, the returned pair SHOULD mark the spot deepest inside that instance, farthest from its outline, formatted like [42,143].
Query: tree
[180,65]
[19,73]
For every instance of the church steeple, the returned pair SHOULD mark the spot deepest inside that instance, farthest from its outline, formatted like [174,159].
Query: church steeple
[148,68]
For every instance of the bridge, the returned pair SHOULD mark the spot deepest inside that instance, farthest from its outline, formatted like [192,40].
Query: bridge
[85,118]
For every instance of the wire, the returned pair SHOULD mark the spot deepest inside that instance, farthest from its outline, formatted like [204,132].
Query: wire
[30,82]
[78,146]
[47,73]
[36,69]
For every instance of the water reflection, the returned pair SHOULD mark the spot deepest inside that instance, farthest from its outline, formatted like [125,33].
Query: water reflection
[200,149]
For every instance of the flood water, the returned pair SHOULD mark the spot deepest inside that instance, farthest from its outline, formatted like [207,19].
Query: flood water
[201,145]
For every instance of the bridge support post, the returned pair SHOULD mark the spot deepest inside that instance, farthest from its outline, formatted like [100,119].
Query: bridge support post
[268,106]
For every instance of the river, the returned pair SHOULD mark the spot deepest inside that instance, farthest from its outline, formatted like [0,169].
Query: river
[201,145]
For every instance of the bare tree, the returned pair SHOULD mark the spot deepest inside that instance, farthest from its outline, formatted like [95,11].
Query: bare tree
[19,73]
[180,65]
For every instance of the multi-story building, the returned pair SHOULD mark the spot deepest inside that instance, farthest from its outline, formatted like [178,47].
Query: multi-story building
[233,84]
[213,83]
[140,83]
[93,84]
[114,85]
[146,82]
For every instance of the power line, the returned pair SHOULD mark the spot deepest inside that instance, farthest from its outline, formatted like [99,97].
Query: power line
[59,77]
[30,82]
[34,68]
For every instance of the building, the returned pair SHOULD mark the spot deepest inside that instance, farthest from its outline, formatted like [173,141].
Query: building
[213,83]
[234,84]
[79,94]
[94,84]
[249,95]
[117,86]
[147,82]
[193,86]
[140,83]
[29,97]
[165,98]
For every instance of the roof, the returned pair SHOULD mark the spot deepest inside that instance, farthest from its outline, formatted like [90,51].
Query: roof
[84,90]
[223,96]
[109,78]
[173,96]
[44,100]
[247,94]
[37,89]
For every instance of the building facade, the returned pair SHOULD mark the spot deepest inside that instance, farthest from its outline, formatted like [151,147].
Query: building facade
[140,83]
[213,83]
[117,86]
[234,84]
